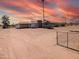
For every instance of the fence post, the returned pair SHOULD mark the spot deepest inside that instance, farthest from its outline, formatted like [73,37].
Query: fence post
[67,39]
[57,37]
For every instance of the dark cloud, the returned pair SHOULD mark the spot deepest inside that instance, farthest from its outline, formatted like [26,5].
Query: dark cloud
[13,7]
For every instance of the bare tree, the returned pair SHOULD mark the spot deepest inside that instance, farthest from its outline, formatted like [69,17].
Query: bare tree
[73,19]
[5,21]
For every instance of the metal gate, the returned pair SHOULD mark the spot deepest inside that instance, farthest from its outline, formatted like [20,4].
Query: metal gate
[68,40]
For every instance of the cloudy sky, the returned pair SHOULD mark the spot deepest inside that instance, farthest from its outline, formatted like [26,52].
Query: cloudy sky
[55,10]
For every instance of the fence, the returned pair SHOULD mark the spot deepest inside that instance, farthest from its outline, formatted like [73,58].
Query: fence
[69,40]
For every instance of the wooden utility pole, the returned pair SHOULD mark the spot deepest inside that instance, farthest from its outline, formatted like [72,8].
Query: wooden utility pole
[43,3]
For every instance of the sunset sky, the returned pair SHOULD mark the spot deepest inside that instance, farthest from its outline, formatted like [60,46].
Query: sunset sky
[55,10]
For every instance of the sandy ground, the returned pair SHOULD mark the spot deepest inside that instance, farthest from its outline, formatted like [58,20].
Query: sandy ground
[68,28]
[32,44]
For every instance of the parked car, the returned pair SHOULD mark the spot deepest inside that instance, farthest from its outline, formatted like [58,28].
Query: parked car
[47,25]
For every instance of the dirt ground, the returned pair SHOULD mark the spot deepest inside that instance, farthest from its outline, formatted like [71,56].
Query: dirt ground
[32,44]
[68,28]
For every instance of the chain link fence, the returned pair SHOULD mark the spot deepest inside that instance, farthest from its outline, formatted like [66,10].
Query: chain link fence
[68,40]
